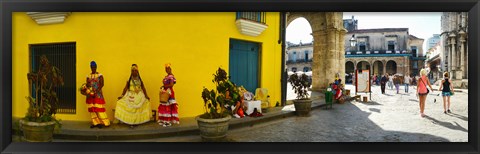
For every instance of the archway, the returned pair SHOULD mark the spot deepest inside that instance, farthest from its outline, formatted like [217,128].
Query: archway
[328,46]
[377,68]
[363,65]
[349,71]
[391,67]
[349,67]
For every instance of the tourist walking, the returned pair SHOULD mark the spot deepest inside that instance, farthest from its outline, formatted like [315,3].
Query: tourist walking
[390,81]
[447,90]
[407,80]
[383,81]
[396,81]
[422,90]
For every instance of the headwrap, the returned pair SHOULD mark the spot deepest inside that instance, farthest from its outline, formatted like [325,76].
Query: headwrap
[167,65]
[93,64]
[134,67]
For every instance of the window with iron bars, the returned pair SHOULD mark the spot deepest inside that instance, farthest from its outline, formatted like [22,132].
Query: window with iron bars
[253,16]
[63,56]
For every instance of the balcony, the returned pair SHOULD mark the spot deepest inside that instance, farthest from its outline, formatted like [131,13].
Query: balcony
[251,23]
[380,53]
[299,61]
[44,18]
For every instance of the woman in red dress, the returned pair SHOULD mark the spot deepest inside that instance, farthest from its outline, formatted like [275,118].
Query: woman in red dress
[168,111]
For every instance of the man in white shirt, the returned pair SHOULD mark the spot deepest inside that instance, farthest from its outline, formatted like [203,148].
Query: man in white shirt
[390,81]
[407,82]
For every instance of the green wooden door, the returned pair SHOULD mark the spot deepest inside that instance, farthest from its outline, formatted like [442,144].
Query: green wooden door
[243,64]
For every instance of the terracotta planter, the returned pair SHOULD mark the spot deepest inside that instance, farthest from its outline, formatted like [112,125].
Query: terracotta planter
[213,129]
[303,107]
[37,131]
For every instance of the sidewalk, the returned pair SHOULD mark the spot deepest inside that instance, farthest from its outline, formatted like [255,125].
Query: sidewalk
[74,130]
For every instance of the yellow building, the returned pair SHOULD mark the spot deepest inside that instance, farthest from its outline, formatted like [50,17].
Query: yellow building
[196,44]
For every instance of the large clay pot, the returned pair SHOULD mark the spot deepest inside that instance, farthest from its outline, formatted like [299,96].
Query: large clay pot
[37,131]
[213,129]
[302,107]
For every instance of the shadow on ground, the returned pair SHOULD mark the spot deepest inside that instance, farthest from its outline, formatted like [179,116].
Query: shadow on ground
[446,124]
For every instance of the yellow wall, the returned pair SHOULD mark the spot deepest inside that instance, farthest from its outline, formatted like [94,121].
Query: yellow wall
[196,44]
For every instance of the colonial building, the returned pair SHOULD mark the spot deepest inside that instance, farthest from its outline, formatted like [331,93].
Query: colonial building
[454,46]
[245,45]
[299,57]
[433,61]
[386,50]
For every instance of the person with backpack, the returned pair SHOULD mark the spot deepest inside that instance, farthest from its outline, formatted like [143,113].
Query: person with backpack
[447,90]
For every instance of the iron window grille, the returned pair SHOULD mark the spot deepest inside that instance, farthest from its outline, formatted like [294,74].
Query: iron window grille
[63,56]
[259,17]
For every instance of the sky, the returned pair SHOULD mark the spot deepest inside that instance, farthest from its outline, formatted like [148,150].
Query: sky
[420,24]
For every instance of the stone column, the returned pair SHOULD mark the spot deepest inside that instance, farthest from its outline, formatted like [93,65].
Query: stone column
[331,60]
[453,57]
[318,63]
[341,52]
[462,55]
[384,67]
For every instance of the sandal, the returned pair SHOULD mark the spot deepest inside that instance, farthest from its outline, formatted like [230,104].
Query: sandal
[93,126]
[449,111]
[167,124]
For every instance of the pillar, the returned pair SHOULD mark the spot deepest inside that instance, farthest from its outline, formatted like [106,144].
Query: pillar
[318,63]
[341,52]
[384,67]
[462,56]
[454,56]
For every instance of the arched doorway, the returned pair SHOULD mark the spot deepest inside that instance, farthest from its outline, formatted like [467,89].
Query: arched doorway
[363,65]
[349,67]
[391,67]
[328,35]
[377,68]
[349,71]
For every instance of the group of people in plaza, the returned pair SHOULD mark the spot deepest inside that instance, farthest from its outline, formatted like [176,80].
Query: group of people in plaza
[421,83]
[133,106]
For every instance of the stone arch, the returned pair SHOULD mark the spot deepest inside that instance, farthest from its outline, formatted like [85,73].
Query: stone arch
[377,68]
[391,67]
[328,46]
[349,67]
[363,65]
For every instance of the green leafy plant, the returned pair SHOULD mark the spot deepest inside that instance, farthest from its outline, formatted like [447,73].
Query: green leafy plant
[215,100]
[43,108]
[300,84]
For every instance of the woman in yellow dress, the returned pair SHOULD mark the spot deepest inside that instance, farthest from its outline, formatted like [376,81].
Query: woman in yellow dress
[133,107]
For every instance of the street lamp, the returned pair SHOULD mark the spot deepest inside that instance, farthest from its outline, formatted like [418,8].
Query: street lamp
[353,42]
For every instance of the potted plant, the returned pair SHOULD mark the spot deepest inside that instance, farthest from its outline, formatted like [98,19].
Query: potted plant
[213,124]
[39,123]
[303,104]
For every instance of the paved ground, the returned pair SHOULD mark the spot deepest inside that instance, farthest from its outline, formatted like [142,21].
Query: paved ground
[387,118]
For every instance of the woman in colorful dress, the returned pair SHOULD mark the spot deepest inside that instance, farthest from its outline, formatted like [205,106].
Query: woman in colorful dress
[168,111]
[133,107]
[95,100]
